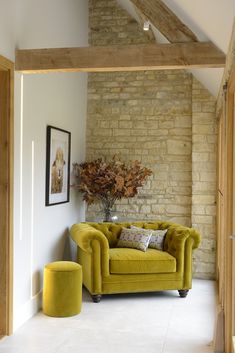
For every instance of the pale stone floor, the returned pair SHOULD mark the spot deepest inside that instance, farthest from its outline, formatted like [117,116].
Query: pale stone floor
[133,323]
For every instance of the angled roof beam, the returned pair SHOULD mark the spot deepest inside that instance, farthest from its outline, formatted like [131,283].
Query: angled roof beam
[120,58]
[142,19]
[165,21]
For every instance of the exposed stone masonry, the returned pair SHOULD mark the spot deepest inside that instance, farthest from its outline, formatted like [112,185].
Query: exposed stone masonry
[166,120]
[146,116]
[109,24]
[204,152]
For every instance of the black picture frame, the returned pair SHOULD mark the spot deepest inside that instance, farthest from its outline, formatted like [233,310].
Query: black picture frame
[58,147]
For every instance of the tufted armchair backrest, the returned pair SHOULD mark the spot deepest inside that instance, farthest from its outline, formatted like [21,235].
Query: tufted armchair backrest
[112,231]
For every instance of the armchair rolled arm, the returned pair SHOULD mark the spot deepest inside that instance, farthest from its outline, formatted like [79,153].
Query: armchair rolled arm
[175,240]
[180,242]
[83,235]
[95,245]
[194,234]
[178,238]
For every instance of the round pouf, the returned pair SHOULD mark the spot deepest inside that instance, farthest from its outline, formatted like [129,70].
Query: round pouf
[62,290]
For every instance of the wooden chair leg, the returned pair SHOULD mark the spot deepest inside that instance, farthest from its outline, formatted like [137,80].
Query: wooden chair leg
[183,293]
[96,298]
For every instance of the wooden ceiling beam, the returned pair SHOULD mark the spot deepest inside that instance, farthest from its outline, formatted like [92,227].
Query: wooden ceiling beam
[165,21]
[120,58]
[142,19]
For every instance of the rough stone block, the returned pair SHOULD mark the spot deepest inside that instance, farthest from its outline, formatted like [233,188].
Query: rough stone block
[204,199]
[179,147]
[183,121]
[200,157]
[158,209]
[206,219]
[178,209]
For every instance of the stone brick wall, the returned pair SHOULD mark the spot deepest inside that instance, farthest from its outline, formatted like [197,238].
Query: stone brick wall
[204,152]
[146,116]
[166,120]
[110,25]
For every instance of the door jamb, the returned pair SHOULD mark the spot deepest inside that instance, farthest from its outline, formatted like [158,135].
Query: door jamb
[6,261]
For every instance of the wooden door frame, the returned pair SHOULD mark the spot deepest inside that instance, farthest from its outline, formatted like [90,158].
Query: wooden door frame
[225,224]
[228,300]
[230,261]
[6,193]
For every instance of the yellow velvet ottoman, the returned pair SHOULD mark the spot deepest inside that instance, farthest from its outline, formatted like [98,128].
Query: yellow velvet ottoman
[62,290]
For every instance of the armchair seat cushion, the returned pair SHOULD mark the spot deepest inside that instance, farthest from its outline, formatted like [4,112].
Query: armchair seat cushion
[132,261]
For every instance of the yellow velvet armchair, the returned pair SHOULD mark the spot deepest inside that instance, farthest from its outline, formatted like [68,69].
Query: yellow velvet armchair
[108,269]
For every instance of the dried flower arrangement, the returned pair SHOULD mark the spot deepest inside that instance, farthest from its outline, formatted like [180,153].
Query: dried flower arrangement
[109,181]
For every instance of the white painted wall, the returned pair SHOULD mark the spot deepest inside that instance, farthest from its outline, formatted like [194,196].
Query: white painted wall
[40,232]
[210,20]
[7,28]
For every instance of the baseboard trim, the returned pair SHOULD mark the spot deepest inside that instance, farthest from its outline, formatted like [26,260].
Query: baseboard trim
[26,311]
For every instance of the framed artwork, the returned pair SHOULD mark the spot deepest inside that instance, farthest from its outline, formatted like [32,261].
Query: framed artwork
[57,166]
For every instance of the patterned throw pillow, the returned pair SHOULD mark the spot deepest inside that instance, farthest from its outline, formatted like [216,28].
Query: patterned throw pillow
[157,238]
[136,238]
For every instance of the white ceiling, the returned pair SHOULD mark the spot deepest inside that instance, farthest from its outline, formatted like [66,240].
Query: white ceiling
[210,20]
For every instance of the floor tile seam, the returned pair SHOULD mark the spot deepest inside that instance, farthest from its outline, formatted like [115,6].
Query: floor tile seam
[167,328]
[128,331]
